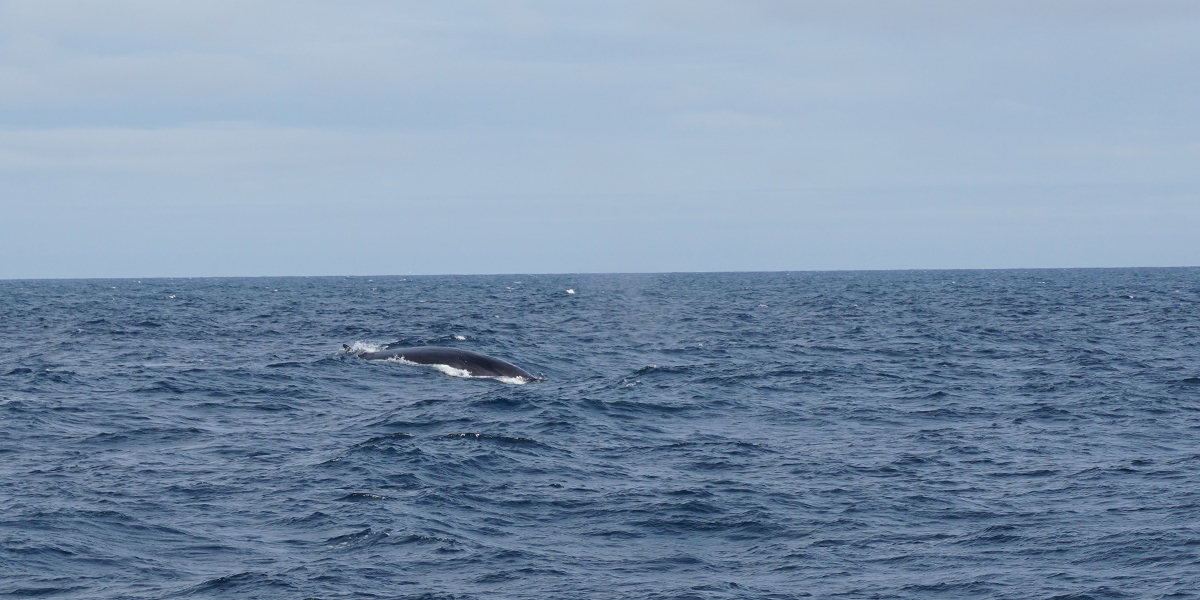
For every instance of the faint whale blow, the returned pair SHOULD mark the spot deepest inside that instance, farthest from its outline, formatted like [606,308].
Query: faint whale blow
[462,363]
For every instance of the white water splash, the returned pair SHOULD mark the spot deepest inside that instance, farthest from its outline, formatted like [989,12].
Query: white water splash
[461,373]
[361,346]
[511,380]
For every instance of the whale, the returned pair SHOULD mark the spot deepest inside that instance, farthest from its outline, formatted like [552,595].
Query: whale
[473,363]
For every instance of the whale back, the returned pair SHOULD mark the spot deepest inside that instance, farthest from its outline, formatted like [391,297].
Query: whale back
[474,363]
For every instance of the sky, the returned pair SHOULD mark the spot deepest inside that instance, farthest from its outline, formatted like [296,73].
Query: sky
[165,138]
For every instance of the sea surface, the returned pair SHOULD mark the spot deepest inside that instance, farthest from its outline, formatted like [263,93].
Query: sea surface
[923,434]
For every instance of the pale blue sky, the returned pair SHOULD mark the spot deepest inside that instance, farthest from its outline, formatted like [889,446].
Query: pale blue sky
[159,138]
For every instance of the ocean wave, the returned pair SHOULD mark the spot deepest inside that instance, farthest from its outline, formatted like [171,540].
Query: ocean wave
[860,435]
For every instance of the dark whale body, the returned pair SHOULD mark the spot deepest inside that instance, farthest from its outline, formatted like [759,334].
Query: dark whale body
[474,363]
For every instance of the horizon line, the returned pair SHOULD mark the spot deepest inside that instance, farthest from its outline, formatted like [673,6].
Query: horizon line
[565,273]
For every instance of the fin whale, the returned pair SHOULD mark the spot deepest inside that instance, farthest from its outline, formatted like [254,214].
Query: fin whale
[474,363]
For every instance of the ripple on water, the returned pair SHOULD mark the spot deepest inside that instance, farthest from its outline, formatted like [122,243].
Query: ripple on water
[1013,434]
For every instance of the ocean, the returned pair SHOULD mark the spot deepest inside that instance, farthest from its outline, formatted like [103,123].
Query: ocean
[911,434]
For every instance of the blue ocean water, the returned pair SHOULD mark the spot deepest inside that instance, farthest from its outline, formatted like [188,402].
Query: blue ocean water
[943,434]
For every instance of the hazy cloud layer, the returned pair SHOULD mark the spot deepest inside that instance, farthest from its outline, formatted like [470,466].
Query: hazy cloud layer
[611,136]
